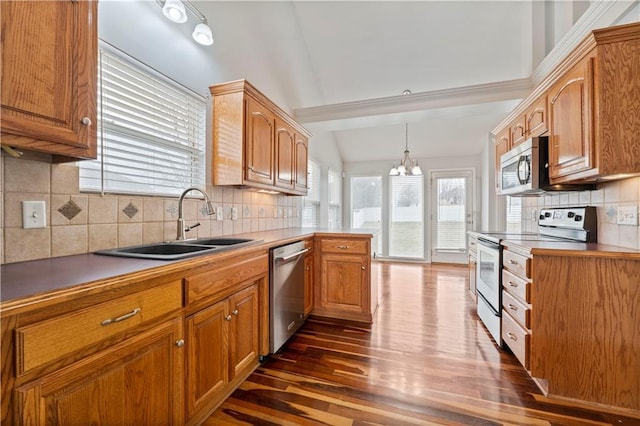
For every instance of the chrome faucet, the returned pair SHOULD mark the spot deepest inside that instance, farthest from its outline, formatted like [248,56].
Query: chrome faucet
[182,230]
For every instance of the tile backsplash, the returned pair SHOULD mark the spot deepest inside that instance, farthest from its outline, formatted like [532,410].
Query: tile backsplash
[607,198]
[80,222]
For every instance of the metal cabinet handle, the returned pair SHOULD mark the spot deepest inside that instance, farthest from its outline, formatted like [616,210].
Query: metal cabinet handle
[251,168]
[227,317]
[180,343]
[235,311]
[108,321]
[512,284]
[512,337]
[513,307]
[86,121]
[513,262]
[363,267]
[343,247]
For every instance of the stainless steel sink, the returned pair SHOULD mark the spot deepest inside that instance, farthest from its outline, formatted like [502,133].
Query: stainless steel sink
[178,249]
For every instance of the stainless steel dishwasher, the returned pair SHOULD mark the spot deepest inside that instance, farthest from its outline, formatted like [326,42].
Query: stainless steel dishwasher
[286,300]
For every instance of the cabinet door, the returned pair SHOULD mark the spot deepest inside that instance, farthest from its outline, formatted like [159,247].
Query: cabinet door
[285,145]
[49,63]
[136,382]
[502,146]
[243,331]
[207,355]
[518,133]
[302,161]
[308,284]
[343,282]
[537,121]
[570,118]
[259,149]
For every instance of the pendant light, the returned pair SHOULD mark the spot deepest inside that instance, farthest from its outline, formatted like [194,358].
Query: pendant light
[174,11]
[406,166]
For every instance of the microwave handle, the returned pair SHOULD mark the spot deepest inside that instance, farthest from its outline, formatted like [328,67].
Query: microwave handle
[527,169]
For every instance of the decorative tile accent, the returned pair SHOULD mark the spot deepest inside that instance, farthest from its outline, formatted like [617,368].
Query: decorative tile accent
[70,209]
[172,209]
[130,210]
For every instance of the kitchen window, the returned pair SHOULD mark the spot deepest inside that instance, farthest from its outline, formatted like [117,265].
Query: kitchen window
[334,198]
[151,131]
[311,203]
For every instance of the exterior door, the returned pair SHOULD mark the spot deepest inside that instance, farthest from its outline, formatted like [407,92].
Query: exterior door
[451,215]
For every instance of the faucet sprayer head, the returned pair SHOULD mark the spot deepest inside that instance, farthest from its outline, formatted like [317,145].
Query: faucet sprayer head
[210,209]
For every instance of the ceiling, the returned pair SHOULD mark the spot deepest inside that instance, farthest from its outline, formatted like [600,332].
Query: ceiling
[342,67]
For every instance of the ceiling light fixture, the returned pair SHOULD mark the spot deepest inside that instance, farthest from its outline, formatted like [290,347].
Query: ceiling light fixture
[406,166]
[176,11]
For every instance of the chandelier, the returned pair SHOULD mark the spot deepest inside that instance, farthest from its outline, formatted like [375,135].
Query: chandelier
[406,166]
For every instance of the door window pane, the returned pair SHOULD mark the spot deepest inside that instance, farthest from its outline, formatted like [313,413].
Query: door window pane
[406,227]
[451,225]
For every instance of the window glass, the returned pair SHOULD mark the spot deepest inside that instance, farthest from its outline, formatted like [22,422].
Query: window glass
[334,198]
[151,132]
[311,207]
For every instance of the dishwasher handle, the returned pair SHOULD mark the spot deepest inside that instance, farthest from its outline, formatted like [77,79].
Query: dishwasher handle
[291,256]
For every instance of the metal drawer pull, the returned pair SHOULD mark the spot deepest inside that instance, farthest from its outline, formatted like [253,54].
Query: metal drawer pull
[343,247]
[180,343]
[108,321]
[512,284]
[235,312]
[512,337]
[513,307]
[513,262]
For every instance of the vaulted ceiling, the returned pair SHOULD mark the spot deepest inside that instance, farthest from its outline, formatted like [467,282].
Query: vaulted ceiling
[343,67]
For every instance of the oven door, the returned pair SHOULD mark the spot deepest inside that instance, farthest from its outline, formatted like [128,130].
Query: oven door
[488,273]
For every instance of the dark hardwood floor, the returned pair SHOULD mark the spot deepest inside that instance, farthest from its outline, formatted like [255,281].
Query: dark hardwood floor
[426,360]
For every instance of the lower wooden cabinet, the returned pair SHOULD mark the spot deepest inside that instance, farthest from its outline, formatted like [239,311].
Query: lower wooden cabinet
[138,381]
[222,349]
[345,288]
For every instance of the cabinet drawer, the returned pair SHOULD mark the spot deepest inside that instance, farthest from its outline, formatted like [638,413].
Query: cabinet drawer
[222,281]
[517,338]
[516,263]
[517,286]
[40,343]
[519,311]
[344,246]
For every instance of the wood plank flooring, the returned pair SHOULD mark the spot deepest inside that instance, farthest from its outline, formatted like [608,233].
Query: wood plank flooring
[427,360]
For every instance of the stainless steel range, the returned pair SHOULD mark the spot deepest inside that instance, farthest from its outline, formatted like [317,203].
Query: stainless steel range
[554,224]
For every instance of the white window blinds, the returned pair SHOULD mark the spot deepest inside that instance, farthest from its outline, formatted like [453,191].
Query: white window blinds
[311,208]
[151,132]
[334,198]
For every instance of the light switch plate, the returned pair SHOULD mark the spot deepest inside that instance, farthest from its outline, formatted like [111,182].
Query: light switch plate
[33,215]
[219,214]
[628,215]
[234,213]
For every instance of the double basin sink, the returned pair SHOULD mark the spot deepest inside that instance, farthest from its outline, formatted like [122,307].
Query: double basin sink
[178,249]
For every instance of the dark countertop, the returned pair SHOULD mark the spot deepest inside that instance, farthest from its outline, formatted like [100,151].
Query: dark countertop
[38,277]
[570,248]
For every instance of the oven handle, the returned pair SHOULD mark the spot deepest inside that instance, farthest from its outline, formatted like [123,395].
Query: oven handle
[291,256]
[527,170]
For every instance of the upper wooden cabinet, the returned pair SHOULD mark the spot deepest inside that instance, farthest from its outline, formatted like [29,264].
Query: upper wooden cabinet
[49,67]
[502,145]
[255,143]
[588,106]
[570,118]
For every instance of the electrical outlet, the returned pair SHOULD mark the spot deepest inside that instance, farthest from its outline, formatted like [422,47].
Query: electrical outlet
[628,215]
[234,213]
[33,215]
[219,214]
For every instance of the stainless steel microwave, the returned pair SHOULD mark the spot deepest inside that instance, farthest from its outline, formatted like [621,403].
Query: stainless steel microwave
[524,170]
[524,167]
